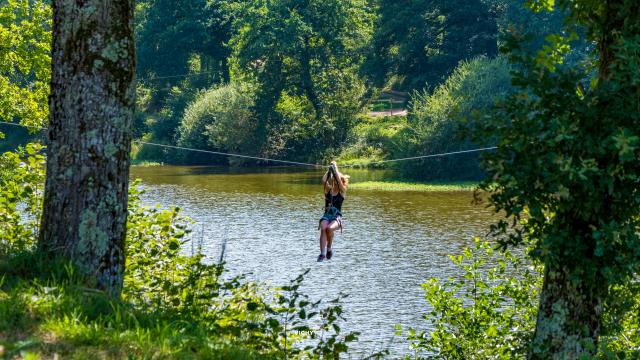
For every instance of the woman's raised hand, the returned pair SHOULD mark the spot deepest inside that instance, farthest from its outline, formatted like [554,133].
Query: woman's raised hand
[334,168]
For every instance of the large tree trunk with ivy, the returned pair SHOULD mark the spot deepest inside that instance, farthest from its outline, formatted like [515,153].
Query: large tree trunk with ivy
[91,106]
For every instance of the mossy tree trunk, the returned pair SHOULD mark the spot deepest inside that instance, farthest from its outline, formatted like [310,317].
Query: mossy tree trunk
[569,316]
[91,106]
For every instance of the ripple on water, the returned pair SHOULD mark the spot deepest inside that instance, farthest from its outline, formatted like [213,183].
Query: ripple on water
[392,241]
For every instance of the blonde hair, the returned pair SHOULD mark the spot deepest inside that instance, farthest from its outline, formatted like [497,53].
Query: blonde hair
[344,178]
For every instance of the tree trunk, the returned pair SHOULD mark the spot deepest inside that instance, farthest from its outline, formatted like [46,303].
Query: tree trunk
[91,106]
[569,316]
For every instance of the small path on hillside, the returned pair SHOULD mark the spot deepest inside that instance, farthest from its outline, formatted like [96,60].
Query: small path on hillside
[394,112]
[394,97]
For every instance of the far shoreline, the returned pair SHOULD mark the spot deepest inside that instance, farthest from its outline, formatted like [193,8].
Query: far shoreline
[440,186]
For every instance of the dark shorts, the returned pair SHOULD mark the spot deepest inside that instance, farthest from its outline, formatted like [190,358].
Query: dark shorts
[330,217]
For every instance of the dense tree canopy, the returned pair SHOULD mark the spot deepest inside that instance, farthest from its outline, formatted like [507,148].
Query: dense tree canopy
[421,42]
[566,172]
[304,52]
[176,38]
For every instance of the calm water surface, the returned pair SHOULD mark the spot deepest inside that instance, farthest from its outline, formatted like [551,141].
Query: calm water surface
[392,241]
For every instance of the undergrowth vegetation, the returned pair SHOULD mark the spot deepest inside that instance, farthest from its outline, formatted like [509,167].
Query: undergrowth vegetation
[172,305]
[487,309]
[487,312]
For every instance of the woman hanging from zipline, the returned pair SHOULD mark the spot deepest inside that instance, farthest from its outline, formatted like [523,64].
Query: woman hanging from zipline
[335,188]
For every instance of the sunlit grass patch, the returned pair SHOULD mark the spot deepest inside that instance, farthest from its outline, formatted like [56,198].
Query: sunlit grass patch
[144,163]
[406,186]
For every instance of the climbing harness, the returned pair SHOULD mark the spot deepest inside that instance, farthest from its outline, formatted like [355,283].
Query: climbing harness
[331,212]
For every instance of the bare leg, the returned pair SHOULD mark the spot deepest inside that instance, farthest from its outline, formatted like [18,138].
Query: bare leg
[324,225]
[330,230]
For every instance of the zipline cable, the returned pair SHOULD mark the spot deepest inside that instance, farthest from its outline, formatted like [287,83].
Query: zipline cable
[175,76]
[420,157]
[286,161]
[229,154]
[193,150]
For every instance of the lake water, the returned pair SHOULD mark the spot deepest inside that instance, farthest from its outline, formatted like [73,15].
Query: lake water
[392,241]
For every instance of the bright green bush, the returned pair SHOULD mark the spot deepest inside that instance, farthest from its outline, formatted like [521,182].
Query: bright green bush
[487,312]
[21,187]
[435,120]
[373,139]
[220,119]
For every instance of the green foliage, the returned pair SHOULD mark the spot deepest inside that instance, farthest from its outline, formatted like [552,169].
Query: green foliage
[515,17]
[486,312]
[25,43]
[622,319]
[372,139]
[157,274]
[21,187]
[421,42]
[580,159]
[181,51]
[179,38]
[306,53]
[566,171]
[222,119]
[293,317]
[435,119]
[162,126]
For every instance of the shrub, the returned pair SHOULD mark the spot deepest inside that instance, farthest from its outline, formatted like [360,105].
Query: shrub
[21,187]
[373,138]
[435,119]
[222,119]
[487,312]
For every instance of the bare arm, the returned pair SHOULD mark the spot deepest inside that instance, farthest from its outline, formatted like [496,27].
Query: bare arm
[325,178]
[336,174]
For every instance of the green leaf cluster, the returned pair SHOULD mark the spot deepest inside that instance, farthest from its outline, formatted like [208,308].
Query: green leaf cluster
[21,190]
[486,311]
[25,66]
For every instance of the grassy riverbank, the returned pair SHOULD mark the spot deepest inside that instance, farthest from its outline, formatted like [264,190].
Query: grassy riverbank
[46,311]
[418,187]
[145,163]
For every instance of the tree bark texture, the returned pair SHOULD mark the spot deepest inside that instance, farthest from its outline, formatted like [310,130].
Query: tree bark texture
[91,106]
[569,316]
